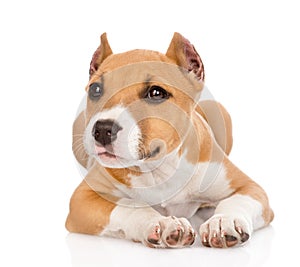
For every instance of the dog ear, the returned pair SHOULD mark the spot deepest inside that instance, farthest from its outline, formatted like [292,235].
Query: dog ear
[102,52]
[185,55]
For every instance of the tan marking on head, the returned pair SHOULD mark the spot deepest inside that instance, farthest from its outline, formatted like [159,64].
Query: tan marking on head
[116,61]
[242,184]
[126,84]
[125,96]
[89,212]
[168,121]
[154,132]
[130,57]
[180,52]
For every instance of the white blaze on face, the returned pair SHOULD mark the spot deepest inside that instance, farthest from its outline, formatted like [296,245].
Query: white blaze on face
[125,147]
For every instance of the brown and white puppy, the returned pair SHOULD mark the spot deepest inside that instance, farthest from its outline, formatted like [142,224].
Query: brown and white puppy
[155,154]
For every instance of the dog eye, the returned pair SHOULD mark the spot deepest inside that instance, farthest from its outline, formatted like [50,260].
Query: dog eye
[156,94]
[95,91]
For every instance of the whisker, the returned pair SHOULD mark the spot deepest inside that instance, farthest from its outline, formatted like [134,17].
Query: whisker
[76,148]
[80,141]
[78,135]
[81,153]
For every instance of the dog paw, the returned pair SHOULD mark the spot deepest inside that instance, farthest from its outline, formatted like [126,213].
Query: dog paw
[170,232]
[224,231]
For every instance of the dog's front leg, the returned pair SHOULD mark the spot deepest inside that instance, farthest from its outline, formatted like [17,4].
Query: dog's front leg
[123,218]
[234,220]
[146,225]
[237,216]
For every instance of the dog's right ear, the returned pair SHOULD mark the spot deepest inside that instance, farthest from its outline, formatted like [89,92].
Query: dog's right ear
[102,52]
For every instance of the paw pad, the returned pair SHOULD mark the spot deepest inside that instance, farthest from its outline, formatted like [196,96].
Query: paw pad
[222,232]
[154,237]
[171,232]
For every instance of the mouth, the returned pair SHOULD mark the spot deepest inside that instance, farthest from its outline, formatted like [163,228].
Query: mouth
[105,153]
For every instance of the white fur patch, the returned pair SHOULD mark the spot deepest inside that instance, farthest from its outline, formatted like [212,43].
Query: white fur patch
[132,222]
[128,217]
[243,206]
[126,145]
[178,186]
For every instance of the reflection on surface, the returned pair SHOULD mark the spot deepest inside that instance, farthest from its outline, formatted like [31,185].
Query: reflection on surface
[103,251]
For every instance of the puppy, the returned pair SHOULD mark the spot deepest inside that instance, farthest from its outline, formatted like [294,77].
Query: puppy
[155,154]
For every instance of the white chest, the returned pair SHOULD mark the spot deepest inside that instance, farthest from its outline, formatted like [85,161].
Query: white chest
[178,187]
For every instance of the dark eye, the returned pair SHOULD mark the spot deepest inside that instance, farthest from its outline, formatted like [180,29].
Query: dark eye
[95,91]
[156,94]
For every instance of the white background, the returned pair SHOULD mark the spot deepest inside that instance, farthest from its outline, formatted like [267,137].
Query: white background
[251,54]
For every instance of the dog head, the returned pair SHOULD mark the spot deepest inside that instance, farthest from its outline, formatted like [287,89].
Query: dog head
[139,103]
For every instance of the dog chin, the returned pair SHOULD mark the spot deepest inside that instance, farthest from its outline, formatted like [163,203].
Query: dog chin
[111,160]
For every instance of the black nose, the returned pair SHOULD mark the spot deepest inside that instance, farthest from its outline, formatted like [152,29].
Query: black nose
[105,131]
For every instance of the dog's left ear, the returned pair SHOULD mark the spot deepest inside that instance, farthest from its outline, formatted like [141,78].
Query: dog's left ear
[185,55]
[102,52]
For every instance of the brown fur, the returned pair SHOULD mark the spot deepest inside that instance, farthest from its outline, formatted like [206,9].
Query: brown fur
[243,185]
[199,143]
[122,175]
[130,57]
[219,121]
[89,212]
